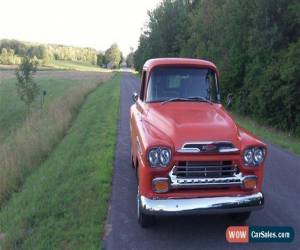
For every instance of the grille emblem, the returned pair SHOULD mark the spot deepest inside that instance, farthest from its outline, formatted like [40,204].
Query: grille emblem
[208,147]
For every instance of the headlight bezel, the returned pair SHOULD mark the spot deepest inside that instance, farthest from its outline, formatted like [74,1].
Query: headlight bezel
[158,163]
[253,150]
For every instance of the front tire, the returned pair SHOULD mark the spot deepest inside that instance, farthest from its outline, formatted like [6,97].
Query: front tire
[145,220]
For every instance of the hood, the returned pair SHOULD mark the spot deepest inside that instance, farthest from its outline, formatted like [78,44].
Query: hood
[184,122]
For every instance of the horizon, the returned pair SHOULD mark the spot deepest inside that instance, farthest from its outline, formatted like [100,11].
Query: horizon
[84,24]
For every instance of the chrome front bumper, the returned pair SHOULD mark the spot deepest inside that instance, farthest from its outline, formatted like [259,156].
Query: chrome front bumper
[208,205]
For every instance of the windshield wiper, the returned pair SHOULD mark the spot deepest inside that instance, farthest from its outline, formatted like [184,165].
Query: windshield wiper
[190,98]
[199,98]
[175,99]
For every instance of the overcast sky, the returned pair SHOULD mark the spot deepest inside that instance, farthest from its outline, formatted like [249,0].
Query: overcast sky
[88,23]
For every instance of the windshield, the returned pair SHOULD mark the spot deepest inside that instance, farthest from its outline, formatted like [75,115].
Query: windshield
[173,82]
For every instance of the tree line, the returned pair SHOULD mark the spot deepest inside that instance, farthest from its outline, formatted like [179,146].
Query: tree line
[255,45]
[12,51]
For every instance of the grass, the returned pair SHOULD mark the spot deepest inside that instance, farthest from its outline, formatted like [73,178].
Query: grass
[4,67]
[26,140]
[80,66]
[63,204]
[268,134]
[62,65]
[13,110]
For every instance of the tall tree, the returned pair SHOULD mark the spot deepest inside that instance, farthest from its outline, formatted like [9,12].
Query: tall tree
[100,59]
[113,56]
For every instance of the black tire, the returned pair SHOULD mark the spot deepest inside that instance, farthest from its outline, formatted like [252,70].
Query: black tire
[145,220]
[241,217]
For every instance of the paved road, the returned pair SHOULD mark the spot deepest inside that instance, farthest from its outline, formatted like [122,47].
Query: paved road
[282,202]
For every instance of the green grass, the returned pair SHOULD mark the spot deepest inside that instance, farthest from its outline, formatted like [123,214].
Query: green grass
[268,134]
[63,204]
[12,109]
[4,67]
[80,66]
[62,65]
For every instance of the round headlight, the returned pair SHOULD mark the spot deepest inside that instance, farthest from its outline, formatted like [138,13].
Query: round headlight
[154,157]
[248,156]
[254,156]
[258,155]
[165,157]
[159,157]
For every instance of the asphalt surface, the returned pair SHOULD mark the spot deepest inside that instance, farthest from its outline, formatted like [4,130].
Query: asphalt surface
[281,189]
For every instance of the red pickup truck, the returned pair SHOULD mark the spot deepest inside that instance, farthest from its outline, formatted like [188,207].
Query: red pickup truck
[189,154]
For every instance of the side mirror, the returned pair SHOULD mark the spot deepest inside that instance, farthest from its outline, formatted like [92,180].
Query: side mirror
[229,99]
[135,97]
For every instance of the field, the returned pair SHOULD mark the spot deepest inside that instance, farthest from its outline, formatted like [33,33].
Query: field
[80,66]
[56,83]
[63,203]
[60,65]
[27,139]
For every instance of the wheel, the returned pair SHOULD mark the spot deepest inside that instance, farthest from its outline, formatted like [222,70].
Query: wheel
[241,217]
[145,220]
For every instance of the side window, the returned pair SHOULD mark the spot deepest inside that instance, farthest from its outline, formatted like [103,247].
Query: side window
[142,93]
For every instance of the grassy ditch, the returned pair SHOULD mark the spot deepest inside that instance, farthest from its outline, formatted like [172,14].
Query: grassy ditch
[268,134]
[36,135]
[12,109]
[63,203]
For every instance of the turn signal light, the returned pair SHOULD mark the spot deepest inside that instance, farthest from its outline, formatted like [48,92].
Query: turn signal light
[160,185]
[250,183]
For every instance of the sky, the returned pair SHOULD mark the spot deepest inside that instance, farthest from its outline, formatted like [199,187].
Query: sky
[84,23]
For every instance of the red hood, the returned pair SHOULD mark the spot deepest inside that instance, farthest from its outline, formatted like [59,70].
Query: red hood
[190,121]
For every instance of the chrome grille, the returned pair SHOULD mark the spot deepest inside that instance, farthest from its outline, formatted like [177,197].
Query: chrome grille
[205,174]
[210,169]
